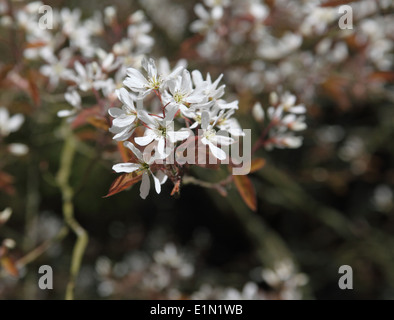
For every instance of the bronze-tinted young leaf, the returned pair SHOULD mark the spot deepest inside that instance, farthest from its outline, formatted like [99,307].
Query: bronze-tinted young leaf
[98,122]
[9,265]
[382,76]
[126,153]
[33,88]
[246,190]
[83,116]
[335,3]
[257,164]
[123,182]
[6,183]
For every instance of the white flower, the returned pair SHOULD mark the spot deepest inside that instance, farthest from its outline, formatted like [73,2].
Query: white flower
[87,77]
[9,124]
[231,125]
[143,166]
[258,112]
[210,89]
[184,96]
[288,141]
[288,104]
[74,99]
[143,86]
[18,149]
[125,119]
[210,137]
[207,19]
[56,68]
[161,130]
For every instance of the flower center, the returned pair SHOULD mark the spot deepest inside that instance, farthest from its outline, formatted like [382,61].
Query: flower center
[208,134]
[155,82]
[178,97]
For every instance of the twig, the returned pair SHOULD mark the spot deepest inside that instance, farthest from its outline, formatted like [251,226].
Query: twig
[63,176]
[38,251]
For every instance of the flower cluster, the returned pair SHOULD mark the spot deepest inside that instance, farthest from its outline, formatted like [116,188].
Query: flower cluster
[276,41]
[183,99]
[285,118]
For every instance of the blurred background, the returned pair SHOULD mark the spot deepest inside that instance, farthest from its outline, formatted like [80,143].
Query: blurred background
[326,204]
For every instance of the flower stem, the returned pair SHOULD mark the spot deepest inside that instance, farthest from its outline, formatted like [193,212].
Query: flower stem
[67,191]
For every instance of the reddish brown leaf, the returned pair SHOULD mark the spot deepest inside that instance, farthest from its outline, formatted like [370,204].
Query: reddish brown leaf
[257,164]
[33,88]
[123,182]
[6,183]
[176,189]
[84,115]
[35,45]
[335,3]
[382,76]
[98,122]
[246,190]
[9,265]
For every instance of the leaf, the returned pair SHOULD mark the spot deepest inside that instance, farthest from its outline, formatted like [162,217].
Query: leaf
[257,164]
[336,3]
[6,183]
[123,182]
[9,265]
[33,88]
[35,45]
[98,122]
[382,76]
[83,116]
[246,190]
[126,154]
[176,190]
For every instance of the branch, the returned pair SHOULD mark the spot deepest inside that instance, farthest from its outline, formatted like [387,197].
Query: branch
[63,176]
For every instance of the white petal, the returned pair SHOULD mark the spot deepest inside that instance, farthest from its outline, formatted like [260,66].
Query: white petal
[135,79]
[133,148]
[179,135]
[226,141]
[121,135]
[161,146]
[145,117]
[124,120]
[217,152]
[157,183]
[126,167]
[125,97]
[18,149]
[171,111]
[115,112]
[145,185]
[15,122]
[161,176]
[145,140]
[65,113]
[205,120]
[175,73]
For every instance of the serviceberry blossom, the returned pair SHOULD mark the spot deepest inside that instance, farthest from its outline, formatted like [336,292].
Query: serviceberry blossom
[9,124]
[161,130]
[142,167]
[125,119]
[136,82]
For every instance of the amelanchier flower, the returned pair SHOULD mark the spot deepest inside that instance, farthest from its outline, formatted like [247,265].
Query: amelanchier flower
[125,118]
[161,130]
[143,167]
[9,124]
[212,139]
[136,82]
